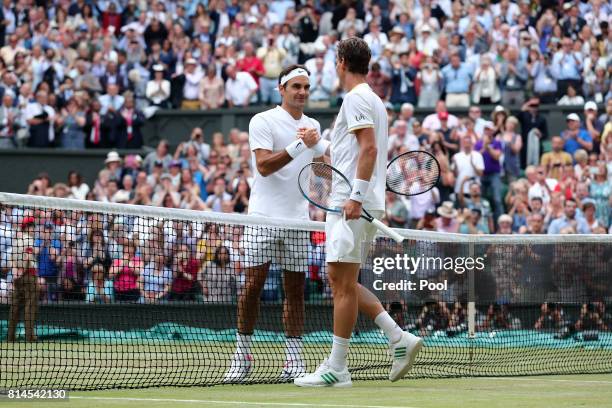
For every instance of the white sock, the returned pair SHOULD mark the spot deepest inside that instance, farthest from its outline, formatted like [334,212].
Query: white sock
[388,325]
[243,344]
[337,358]
[293,348]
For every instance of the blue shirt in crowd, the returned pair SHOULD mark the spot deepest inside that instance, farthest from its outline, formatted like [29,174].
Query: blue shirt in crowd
[457,80]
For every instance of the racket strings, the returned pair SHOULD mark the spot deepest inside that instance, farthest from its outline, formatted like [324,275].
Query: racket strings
[413,173]
[316,182]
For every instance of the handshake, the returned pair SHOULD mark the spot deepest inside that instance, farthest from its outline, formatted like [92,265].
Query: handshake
[310,136]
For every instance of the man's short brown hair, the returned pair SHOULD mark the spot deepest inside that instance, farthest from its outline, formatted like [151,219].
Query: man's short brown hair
[355,54]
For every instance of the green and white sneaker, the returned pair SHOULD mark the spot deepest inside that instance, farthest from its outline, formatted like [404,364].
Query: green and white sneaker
[325,376]
[404,353]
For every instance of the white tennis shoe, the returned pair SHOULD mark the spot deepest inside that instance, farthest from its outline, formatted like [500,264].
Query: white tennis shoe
[241,367]
[404,353]
[325,376]
[293,369]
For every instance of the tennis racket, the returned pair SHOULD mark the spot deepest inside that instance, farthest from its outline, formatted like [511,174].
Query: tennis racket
[316,180]
[412,173]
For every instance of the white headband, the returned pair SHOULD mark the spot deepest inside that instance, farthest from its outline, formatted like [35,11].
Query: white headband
[292,74]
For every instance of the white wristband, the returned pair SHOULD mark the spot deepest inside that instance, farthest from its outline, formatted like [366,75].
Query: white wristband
[321,147]
[360,189]
[295,148]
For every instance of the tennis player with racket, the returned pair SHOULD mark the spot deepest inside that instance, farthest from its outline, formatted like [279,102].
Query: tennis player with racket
[358,152]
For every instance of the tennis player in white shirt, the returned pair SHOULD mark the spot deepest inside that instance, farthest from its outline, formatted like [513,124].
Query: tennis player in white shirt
[358,150]
[282,141]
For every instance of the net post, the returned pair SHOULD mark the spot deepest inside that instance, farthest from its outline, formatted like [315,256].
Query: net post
[471,296]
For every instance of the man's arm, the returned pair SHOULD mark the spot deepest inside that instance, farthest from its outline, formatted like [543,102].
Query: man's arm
[269,162]
[365,166]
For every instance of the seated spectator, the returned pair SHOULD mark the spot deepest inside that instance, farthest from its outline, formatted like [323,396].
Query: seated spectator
[574,137]
[471,222]
[434,316]
[185,285]
[504,224]
[158,88]
[588,209]
[447,221]
[569,219]
[571,98]
[474,201]
[589,319]
[78,188]
[126,272]
[157,279]
[240,87]
[219,195]
[161,155]
[218,278]
[554,160]
[396,211]
[551,317]
[457,82]
[497,318]
[535,224]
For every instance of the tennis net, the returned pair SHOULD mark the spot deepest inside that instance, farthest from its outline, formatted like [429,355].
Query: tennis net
[96,295]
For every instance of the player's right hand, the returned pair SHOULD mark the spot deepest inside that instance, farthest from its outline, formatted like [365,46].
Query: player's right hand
[310,137]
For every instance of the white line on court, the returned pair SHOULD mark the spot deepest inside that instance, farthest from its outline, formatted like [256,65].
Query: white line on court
[546,379]
[199,401]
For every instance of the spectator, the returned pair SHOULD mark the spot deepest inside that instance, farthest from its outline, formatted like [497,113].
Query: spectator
[78,188]
[188,85]
[504,224]
[431,83]
[376,39]
[322,84]
[543,74]
[212,92]
[378,81]
[41,118]
[457,82]
[219,195]
[574,137]
[158,88]
[592,124]
[569,219]
[467,163]
[475,201]
[240,87]
[161,154]
[111,101]
[535,223]
[588,209]
[126,272]
[513,76]
[600,190]
[9,122]
[512,145]
[491,150]
[485,90]
[571,98]
[185,286]
[218,278]
[568,64]
[471,222]
[127,124]
[447,221]
[534,130]
[272,58]
[402,81]
[554,160]
[73,120]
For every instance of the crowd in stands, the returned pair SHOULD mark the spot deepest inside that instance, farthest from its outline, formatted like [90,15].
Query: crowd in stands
[87,74]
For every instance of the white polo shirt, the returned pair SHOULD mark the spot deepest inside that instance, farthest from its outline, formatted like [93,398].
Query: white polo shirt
[361,108]
[278,194]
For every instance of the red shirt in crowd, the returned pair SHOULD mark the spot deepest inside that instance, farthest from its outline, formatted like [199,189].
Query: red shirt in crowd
[252,65]
[182,284]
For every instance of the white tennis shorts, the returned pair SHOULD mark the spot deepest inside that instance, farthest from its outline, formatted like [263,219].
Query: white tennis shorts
[363,231]
[287,248]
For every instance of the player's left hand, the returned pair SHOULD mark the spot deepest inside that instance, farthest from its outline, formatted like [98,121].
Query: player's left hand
[352,209]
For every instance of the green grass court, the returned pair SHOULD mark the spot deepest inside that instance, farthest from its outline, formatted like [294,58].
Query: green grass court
[544,391]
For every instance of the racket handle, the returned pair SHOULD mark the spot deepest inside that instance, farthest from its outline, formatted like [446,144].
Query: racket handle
[387,230]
